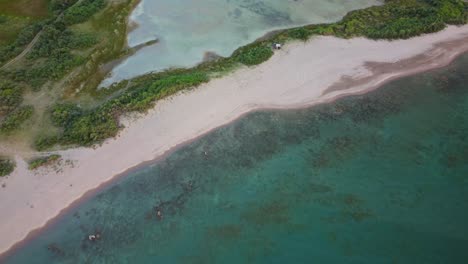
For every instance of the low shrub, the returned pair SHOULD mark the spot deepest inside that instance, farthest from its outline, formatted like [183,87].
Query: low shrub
[253,55]
[43,161]
[6,167]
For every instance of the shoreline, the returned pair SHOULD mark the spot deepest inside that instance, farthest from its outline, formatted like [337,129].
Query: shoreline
[303,72]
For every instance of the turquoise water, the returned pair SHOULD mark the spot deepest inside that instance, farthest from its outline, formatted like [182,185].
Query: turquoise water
[376,178]
[186,29]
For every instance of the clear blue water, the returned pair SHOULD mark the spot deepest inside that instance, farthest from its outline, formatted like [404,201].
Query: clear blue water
[375,178]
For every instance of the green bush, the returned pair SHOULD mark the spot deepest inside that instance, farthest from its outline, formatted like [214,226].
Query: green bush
[300,33]
[401,19]
[55,45]
[6,167]
[83,11]
[58,64]
[82,41]
[26,35]
[59,6]
[253,55]
[10,96]
[452,11]
[406,27]
[63,114]
[57,36]
[90,129]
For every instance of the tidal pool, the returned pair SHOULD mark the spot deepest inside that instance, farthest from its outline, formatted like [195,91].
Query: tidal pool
[187,29]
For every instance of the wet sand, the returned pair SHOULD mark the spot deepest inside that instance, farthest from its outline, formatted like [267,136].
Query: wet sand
[300,75]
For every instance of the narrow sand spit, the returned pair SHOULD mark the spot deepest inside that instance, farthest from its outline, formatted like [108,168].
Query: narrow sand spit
[300,75]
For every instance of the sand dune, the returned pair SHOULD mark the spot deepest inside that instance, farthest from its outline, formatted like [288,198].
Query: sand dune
[300,75]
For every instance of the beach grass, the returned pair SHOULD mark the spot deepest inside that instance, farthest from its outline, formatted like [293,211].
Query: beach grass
[6,167]
[43,161]
[16,118]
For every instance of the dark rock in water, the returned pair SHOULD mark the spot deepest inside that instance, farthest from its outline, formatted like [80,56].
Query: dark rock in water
[210,56]
[55,249]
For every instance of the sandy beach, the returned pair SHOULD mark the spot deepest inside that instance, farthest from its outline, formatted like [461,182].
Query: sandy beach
[299,75]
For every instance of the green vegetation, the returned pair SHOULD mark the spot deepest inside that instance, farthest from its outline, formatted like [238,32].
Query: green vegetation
[254,55]
[15,35]
[56,45]
[45,141]
[112,26]
[91,33]
[83,11]
[6,167]
[55,67]
[24,8]
[10,27]
[395,19]
[58,6]
[301,33]
[20,21]
[57,36]
[68,49]
[43,161]
[63,114]
[16,118]
[402,19]
[10,97]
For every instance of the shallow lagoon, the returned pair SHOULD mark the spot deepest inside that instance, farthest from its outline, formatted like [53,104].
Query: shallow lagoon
[375,178]
[186,29]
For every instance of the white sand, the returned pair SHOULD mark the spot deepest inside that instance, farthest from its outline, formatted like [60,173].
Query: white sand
[296,76]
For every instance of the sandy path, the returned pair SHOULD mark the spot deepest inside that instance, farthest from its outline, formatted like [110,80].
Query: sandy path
[300,75]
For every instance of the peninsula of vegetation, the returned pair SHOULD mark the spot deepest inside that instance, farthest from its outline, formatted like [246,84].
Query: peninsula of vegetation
[53,56]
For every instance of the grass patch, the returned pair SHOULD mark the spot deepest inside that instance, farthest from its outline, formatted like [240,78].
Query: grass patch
[10,27]
[56,56]
[44,142]
[16,18]
[82,11]
[253,55]
[16,40]
[10,97]
[25,8]
[6,167]
[43,161]
[15,119]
